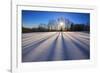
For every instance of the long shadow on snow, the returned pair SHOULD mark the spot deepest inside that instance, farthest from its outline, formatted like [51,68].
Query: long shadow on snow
[80,40]
[36,41]
[27,50]
[81,48]
[64,48]
[52,49]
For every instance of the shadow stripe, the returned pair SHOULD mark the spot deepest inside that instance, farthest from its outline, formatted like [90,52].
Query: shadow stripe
[28,49]
[78,40]
[64,48]
[52,51]
[38,40]
[81,48]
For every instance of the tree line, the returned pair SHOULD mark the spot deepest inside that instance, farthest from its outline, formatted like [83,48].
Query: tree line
[45,28]
[53,25]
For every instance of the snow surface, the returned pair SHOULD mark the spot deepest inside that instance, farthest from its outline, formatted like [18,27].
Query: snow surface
[55,46]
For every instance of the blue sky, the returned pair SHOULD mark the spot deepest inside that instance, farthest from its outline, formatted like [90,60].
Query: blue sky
[34,18]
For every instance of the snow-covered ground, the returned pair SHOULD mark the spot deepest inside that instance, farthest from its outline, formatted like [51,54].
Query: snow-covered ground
[55,46]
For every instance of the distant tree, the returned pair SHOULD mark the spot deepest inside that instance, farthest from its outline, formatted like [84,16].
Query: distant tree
[72,27]
[52,25]
[26,30]
[80,27]
[42,27]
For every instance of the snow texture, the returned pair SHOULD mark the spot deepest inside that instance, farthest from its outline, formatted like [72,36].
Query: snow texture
[55,46]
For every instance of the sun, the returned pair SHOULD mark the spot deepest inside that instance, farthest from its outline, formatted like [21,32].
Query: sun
[61,24]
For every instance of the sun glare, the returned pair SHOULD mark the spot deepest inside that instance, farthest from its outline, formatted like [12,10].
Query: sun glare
[61,24]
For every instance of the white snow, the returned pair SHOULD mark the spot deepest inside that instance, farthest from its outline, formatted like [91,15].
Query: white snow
[55,46]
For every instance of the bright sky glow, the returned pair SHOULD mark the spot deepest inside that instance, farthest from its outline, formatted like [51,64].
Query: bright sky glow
[61,23]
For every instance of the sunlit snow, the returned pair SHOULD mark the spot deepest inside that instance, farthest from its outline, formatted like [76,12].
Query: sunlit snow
[55,46]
